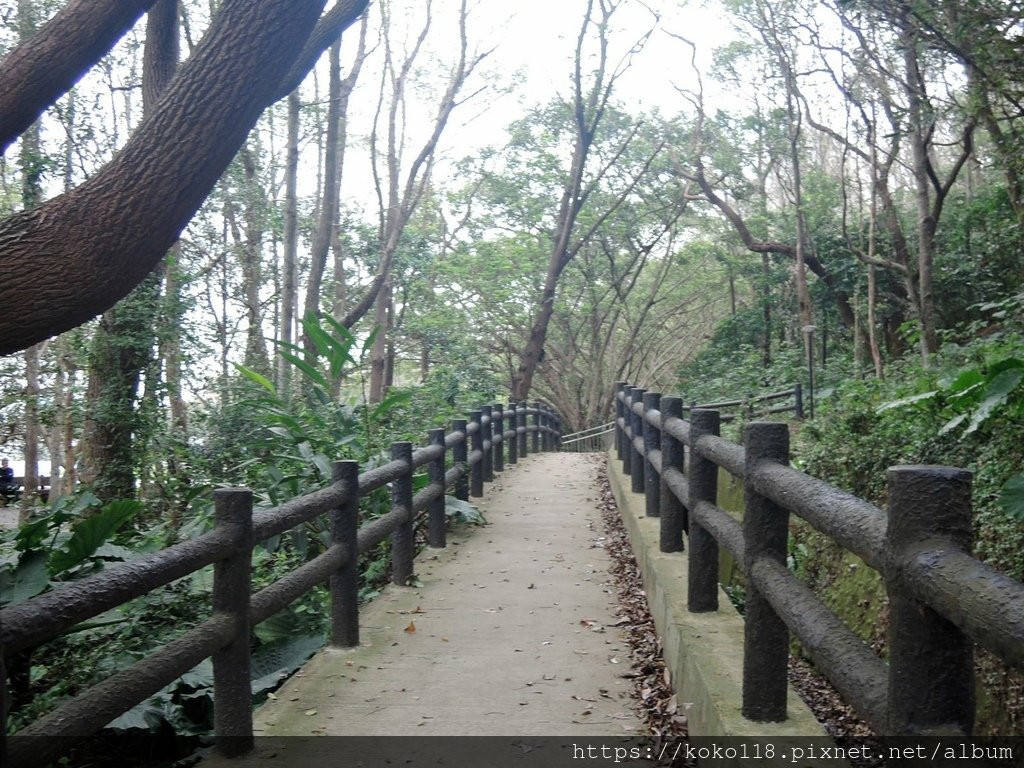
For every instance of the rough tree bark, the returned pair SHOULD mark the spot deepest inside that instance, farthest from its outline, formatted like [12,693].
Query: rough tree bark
[32,164]
[100,240]
[245,214]
[124,343]
[289,266]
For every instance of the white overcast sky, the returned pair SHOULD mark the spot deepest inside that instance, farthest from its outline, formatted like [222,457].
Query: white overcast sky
[535,39]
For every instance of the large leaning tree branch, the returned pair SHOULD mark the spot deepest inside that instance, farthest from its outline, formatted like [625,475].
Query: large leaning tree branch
[42,69]
[328,29]
[96,242]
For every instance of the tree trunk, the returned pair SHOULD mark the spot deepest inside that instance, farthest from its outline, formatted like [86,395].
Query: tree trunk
[329,200]
[170,335]
[766,309]
[122,348]
[399,198]
[32,165]
[588,108]
[100,240]
[379,352]
[919,132]
[125,342]
[33,433]
[289,268]
[250,244]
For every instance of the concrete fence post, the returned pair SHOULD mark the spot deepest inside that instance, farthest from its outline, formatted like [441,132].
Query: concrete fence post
[523,435]
[460,456]
[702,562]
[402,537]
[765,535]
[476,446]
[511,435]
[926,651]
[344,584]
[488,443]
[652,442]
[536,437]
[627,430]
[232,686]
[636,458]
[672,512]
[437,536]
[620,433]
[498,436]
[798,400]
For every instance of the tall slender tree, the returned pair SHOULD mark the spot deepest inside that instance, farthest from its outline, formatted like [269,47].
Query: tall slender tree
[591,94]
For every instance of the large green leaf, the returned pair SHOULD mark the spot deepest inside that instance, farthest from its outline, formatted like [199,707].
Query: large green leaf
[965,382]
[335,349]
[258,378]
[368,344]
[148,715]
[323,464]
[996,393]
[463,512]
[273,662]
[390,402]
[341,333]
[308,370]
[30,578]
[906,401]
[953,423]
[1011,498]
[200,676]
[280,626]
[90,534]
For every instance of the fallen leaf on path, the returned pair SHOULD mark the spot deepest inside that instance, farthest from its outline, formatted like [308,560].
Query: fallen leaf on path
[411,628]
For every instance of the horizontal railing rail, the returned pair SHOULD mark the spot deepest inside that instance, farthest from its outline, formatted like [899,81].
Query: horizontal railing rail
[752,406]
[594,439]
[942,600]
[478,446]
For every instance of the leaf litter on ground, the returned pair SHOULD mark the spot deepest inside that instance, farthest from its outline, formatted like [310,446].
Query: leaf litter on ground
[652,689]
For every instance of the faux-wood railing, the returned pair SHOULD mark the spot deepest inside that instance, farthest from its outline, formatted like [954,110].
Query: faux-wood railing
[477,450]
[942,600]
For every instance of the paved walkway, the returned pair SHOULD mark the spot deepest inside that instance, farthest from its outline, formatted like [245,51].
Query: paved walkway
[513,631]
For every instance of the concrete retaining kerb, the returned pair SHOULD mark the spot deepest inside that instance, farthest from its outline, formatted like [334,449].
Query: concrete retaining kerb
[703,651]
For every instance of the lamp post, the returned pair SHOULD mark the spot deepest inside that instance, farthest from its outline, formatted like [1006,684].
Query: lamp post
[809,330]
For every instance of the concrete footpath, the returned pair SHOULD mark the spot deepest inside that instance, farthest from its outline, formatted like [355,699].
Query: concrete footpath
[512,631]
